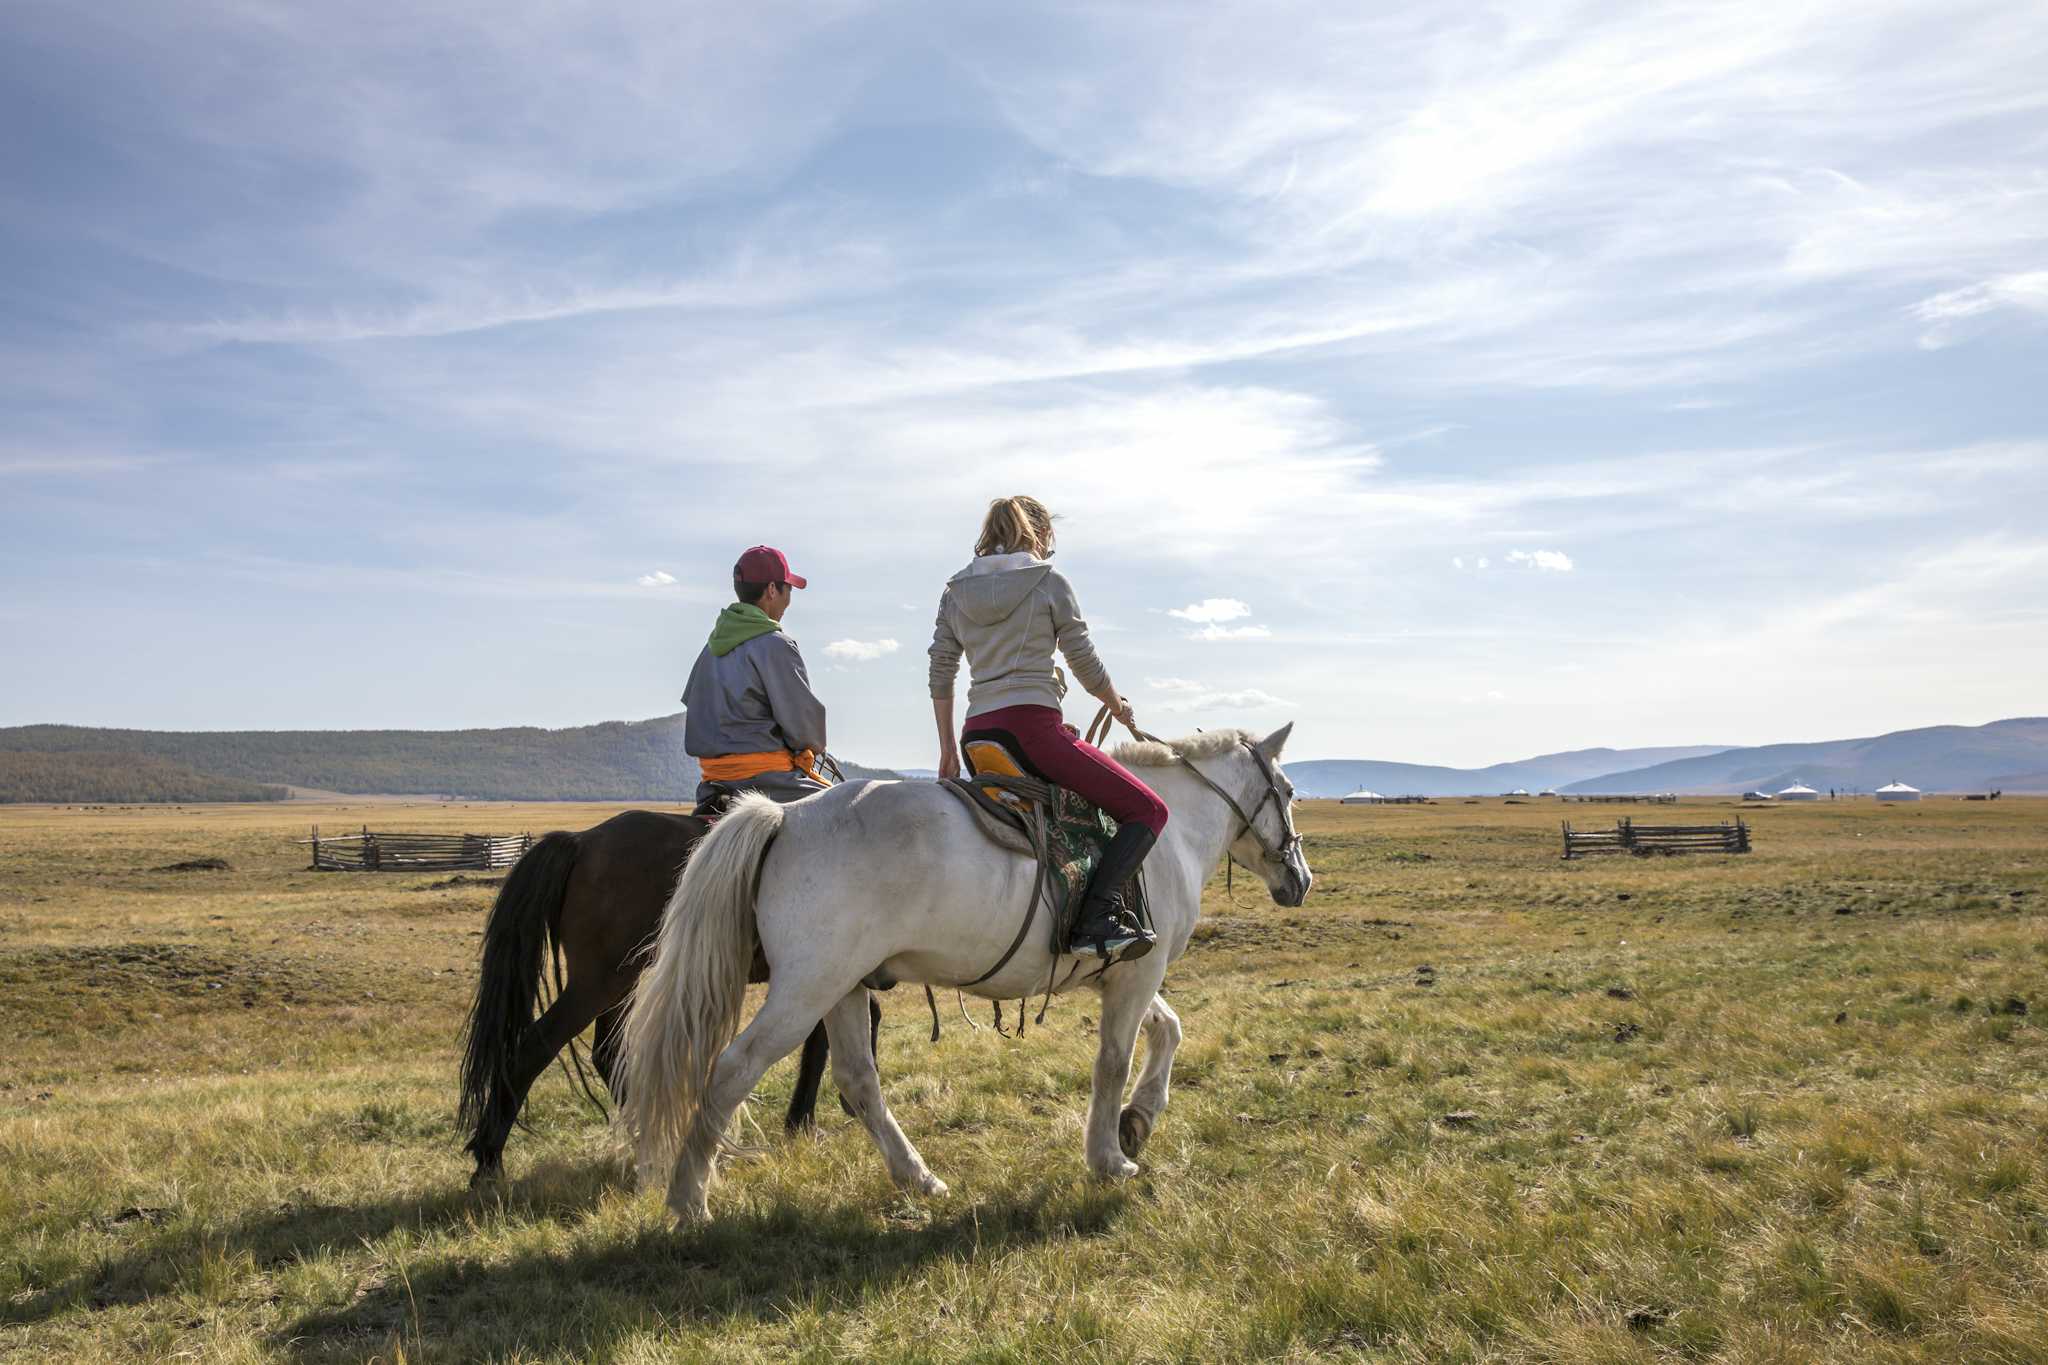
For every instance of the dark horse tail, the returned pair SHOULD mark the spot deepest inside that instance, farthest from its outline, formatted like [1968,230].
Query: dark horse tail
[508,987]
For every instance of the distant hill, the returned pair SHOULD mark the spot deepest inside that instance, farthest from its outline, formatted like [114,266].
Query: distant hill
[31,775]
[2008,754]
[613,761]
[1341,776]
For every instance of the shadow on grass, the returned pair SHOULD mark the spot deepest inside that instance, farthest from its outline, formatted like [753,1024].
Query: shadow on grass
[172,1259]
[763,1264]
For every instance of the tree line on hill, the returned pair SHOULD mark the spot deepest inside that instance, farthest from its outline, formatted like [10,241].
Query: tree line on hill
[116,778]
[613,761]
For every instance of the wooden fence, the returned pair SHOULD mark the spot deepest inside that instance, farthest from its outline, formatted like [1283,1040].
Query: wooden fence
[1664,799]
[1643,840]
[381,852]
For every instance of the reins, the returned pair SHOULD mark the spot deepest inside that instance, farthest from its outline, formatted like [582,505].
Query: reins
[1098,733]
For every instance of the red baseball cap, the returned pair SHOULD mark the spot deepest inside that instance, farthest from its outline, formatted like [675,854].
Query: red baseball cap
[765,564]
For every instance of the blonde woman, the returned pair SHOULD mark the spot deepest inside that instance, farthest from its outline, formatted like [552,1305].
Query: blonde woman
[1007,612]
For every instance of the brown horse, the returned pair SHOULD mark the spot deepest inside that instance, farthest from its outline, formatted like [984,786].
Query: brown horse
[591,900]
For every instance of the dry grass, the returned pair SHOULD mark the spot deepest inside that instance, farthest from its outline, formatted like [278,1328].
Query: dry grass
[1777,1108]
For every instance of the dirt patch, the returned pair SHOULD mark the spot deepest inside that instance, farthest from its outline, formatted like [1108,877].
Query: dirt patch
[459,880]
[1293,932]
[149,976]
[197,865]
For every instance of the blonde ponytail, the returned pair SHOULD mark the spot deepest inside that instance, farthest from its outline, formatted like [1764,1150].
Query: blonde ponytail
[1013,524]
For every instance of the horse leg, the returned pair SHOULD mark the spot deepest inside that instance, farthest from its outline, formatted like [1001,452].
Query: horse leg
[604,1047]
[803,1101]
[853,1069]
[791,1011]
[1125,999]
[571,1013]
[810,1073]
[1148,1100]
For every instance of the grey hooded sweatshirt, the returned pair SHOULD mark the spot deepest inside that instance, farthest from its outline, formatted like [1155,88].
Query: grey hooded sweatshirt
[1007,613]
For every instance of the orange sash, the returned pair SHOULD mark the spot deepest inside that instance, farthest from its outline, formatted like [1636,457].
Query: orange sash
[740,767]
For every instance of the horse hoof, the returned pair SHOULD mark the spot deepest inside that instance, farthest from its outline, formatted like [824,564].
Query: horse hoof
[933,1186]
[691,1213]
[1119,1169]
[487,1177]
[1133,1129]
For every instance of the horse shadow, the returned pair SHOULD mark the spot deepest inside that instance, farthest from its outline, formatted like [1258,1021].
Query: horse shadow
[763,1263]
[159,1260]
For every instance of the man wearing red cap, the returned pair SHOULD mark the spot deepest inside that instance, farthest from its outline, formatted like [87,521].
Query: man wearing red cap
[754,724]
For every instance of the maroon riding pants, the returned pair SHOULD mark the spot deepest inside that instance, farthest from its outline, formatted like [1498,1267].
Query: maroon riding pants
[1060,755]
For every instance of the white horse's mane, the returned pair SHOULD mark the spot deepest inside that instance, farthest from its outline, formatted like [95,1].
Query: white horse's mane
[1207,744]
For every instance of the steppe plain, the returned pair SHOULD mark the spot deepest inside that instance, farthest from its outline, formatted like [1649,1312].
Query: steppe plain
[1471,1102]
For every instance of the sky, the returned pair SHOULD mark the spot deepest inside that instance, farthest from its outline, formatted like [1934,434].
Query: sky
[1459,382]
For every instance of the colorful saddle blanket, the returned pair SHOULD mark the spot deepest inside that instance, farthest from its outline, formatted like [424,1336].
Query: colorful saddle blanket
[1075,830]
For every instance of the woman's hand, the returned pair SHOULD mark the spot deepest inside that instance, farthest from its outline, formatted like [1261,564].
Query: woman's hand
[949,763]
[1124,713]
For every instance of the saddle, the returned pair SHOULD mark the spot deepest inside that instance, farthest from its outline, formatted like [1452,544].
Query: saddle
[1063,832]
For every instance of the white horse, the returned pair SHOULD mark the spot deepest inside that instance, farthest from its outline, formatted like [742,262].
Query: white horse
[896,880]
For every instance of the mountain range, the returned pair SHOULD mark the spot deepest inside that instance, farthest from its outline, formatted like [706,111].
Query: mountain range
[1340,776]
[2011,755]
[644,761]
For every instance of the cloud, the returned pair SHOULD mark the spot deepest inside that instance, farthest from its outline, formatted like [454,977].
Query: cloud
[861,651]
[1245,699]
[1212,609]
[2027,291]
[1457,561]
[1211,612]
[1173,685]
[660,578]
[1547,561]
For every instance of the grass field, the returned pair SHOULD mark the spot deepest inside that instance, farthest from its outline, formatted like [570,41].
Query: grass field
[1470,1103]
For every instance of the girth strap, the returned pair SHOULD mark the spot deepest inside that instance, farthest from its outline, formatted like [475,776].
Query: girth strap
[1003,824]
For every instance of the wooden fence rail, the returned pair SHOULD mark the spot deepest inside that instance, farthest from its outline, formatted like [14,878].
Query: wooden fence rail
[1643,840]
[372,851]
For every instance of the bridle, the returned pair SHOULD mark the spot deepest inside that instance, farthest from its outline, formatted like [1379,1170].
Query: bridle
[1281,852]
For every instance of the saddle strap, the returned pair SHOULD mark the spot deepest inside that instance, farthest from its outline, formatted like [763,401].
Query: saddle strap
[995,817]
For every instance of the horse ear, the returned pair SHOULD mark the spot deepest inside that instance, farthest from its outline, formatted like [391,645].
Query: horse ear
[1272,744]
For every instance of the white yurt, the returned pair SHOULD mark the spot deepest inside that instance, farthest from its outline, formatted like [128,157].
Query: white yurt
[1799,791]
[1898,791]
[1362,797]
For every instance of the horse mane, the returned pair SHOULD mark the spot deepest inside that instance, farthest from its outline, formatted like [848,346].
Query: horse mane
[1206,744]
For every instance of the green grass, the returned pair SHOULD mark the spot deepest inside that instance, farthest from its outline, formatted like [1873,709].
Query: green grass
[1787,1107]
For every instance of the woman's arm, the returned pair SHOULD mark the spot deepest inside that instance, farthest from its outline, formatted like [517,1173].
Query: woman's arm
[949,747]
[945,667]
[1070,630]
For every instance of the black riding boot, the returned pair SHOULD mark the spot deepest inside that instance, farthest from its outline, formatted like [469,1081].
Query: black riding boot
[1104,927]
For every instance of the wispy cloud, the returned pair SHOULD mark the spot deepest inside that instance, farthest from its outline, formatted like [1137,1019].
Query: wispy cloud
[2027,291]
[861,651]
[660,578]
[1243,699]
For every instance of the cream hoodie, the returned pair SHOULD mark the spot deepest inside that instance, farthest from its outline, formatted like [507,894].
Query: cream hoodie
[1007,613]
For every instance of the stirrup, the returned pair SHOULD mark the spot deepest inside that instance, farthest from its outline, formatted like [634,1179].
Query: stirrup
[1121,939]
